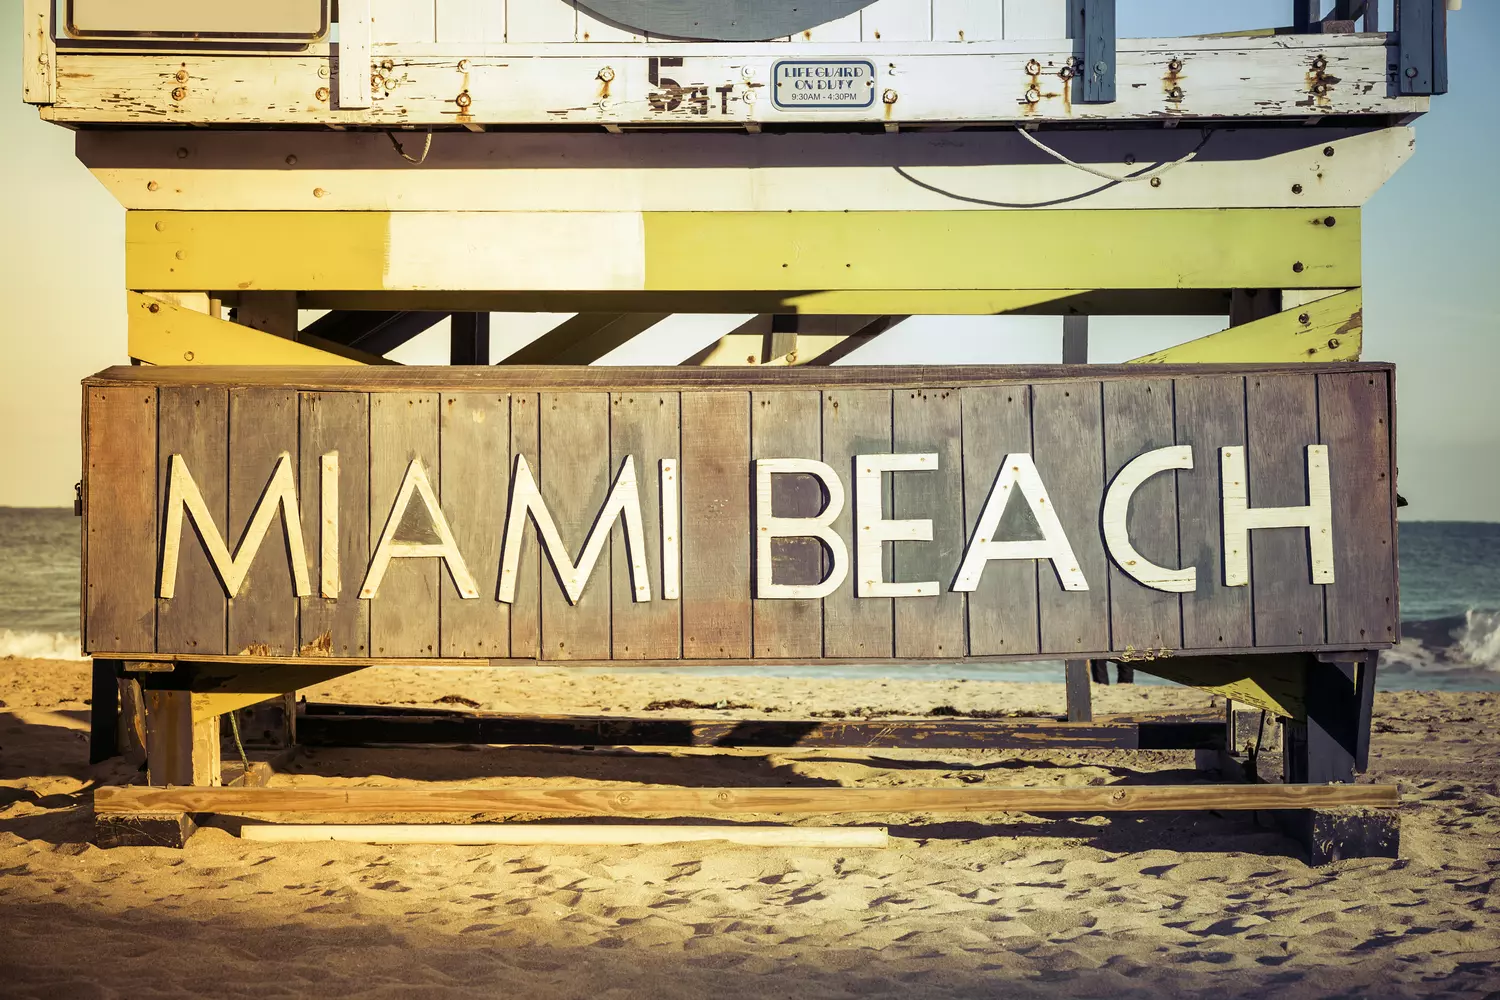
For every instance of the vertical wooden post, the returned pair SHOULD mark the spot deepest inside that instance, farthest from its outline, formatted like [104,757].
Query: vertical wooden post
[104,717]
[270,312]
[782,340]
[469,342]
[180,751]
[1364,695]
[1075,351]
[38,53]
[1323,748]
[132,721]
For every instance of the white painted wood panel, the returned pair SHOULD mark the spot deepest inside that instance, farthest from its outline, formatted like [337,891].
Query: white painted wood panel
[937,82]
[540,21]
[403,20]
[579,172]
[967,20]
[470,21]
[888,21]
[353,65]
[1036,18]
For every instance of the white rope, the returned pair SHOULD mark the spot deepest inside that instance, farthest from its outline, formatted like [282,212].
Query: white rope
[1145,175]
[426,147]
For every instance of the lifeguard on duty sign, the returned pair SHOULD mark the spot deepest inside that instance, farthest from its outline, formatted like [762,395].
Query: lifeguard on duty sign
[853,513]
[822,83]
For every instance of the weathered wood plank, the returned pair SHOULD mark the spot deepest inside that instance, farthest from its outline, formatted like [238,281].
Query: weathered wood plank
[789,425]
[1210,415]
[575,479]
[929,421]
[404,614]
[855,423]
[117,799]
[716,542]
[262,425]
[645,425]
[1138,417]
[336,422]
[1354,416]
[526,609]
[1282,414]
[1002,610]
[179,749]
[194,424]
[346,728]
[1069,451]
[120,518]
[474,442]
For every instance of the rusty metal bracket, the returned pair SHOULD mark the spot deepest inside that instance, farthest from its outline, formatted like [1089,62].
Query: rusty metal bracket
[1091,25]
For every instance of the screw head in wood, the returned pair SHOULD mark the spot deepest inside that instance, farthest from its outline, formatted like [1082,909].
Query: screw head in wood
[1297,267]
[291,159]
[1296,189]
[178,93]
[1033,68]
[889,97]
[152,185]
[1304,319]
[606,74]
[321,93]
[463,99]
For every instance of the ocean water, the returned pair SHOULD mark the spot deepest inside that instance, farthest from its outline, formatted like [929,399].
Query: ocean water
[1450,608]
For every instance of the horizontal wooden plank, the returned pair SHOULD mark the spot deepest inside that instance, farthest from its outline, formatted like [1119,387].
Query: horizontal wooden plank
[633,800]
[323,729]
[663,172]
[684,251]
[548,377]
[559,84]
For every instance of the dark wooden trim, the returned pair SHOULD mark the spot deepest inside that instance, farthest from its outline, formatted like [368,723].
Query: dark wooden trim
[636,801]
[104,711]
[501,378]
[357,725]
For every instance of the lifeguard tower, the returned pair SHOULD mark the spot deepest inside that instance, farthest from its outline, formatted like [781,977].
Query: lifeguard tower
[828,166]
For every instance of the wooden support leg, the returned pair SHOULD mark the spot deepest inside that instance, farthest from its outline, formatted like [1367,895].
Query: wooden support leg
[180,751]
[267,725]
[469,338]
[104,717]
[1323,748]
[1365,695]
[1080,696]
[132,721]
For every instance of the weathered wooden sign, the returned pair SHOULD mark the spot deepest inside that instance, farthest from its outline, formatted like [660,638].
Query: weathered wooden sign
[628,514]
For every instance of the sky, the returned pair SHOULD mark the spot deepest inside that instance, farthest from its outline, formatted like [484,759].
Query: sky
[1431,267]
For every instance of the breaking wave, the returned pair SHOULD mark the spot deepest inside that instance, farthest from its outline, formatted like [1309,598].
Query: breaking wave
[1457,651]
[39,646]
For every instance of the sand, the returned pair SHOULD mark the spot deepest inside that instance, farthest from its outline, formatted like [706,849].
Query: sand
[1163,905]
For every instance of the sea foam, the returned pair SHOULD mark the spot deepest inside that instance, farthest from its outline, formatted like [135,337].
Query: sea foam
[39,646]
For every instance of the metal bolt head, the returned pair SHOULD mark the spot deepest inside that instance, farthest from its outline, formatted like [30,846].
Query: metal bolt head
[1327,150]
[1297,267]
[152,185]
[1320,64]
[1320,88]
[606,74]
[187,355]
[1101,66]
[1304,319]
[1296,189]
[178,93]
[463,65]
[463,99]
[387,64]
[180,255]
[1174,66]
[1130,159]
[291,159]
[319,192]
[889,96]
[1033,96]
[181,76]
[1033,67]
[389,85]
[323,71]
[182,152]
[1330,222]
[1176,94]
[1066,73]
[1411,72]
[747,72]
[1333,343]
[153,307]
[1156,182]
[161,227]
[321,93]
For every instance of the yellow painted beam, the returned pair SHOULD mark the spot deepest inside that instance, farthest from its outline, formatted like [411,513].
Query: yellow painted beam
[161,333]
[1274,682]
[1188,248]
[1330,329]
[793,253]
[219,688]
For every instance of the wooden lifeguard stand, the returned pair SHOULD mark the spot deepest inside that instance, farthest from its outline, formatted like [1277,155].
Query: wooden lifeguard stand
[830,167]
